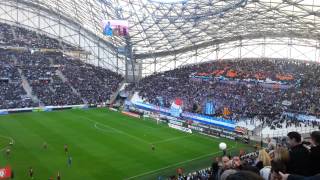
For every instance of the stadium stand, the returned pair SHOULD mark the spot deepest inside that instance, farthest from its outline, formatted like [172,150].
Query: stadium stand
[21,37]
[265,88]
[54,79]
[242,98]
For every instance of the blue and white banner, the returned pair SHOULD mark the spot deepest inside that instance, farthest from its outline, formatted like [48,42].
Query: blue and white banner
[3,112]
[209,108]
[302,117]
[160,100]
[215,121]
[153,108]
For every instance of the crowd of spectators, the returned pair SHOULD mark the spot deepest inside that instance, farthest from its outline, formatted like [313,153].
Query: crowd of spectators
[77,82]
[12,94]
[242,98]
[291,159]
[283,122]
[95,84]
[21,37]
[54,78]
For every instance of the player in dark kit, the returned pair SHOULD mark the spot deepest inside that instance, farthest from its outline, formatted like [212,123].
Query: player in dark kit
[31,172]
[45,145]
[153,148]
[58,176]
[8,152]
[69,161]
[66,150]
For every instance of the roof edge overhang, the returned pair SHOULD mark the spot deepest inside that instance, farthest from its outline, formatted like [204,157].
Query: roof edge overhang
[258,35]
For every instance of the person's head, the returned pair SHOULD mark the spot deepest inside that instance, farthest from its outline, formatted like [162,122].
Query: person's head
[264,158]
[276,167]
[215,166]
[236,162]
[244,175]
[225,160]
[227,173]
[281,154]
[250,168]
[268,140]
[315,138]
[294,138]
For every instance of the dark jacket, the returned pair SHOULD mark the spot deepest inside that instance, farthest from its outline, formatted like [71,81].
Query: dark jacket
[297,177]
[299,161]
[315,160]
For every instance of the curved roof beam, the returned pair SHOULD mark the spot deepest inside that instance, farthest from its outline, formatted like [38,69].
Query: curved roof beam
[225,40]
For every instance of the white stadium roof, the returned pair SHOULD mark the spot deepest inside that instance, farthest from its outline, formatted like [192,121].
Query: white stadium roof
[168,25]
[167,30]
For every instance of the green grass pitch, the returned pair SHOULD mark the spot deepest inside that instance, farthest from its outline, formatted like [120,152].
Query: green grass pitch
[103,145]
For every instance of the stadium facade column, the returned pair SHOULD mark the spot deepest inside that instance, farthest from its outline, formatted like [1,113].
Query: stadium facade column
[133,68]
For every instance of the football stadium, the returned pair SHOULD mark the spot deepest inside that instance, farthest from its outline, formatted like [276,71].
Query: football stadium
[160,89]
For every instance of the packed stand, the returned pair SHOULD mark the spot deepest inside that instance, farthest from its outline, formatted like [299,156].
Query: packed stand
[95,84]
[54,80]
[12,94]
[242,98]
[44,71]
[21,37]
[92,84]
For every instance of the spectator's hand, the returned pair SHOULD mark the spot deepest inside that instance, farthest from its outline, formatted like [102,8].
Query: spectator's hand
[284,176]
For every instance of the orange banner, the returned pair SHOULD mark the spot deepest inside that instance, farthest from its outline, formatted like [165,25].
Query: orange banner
[284,77]
[232,73]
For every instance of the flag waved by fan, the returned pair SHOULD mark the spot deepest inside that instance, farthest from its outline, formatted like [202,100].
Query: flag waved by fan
[176,107]
[5,173]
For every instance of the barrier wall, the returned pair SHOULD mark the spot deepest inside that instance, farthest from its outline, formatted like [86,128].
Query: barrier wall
[215,121]
[43,109]
[180,128]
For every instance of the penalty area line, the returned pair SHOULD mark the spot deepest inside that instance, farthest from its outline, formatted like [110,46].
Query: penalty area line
[116,130]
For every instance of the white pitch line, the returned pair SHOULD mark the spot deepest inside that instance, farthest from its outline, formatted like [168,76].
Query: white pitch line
[122,132]
[7,137]
[172,165]
[117,130]
[170,139]
[104,130]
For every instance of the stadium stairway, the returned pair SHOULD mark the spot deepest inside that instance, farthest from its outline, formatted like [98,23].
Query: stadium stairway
[13,33]
[26,86]
[60,44]
[116,93]
[65,80]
